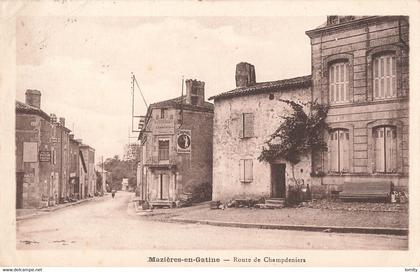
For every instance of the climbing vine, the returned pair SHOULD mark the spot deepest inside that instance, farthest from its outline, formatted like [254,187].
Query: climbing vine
[298,134]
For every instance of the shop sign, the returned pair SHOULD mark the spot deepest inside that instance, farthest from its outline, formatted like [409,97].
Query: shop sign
[184,141]
[45,156]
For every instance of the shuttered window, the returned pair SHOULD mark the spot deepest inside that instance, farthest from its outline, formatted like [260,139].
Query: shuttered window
[385,149]
[163,154]
[338,149]
[384,77]
[247,125]
[339,82]
[245,170]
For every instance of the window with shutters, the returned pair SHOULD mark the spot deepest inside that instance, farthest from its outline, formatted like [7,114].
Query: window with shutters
[163,154]
[339,150]
[247,125]
[339,83]
[384,77]
[245,169]
[385,149]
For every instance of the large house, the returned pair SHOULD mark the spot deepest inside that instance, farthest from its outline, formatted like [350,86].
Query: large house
[176,148]
[360,70]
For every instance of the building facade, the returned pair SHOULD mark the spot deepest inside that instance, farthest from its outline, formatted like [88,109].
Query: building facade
[176,147]
[360,70]
[45,170]
[88,156]
[244,119]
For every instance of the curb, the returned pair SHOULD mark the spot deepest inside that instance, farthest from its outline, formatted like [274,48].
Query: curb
[45,211]
[336,229]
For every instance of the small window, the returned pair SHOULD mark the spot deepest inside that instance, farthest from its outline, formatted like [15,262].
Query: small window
[384,77]
[163,154]
[247,125]
[162,113]
[246,171]
[339,82]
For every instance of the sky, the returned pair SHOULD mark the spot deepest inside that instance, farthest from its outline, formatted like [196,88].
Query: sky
[83,65]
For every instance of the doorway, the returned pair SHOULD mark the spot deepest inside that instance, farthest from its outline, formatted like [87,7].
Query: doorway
[19,189]
[278,180]
[163,187]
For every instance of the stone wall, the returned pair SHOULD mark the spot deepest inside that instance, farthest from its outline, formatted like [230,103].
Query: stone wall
[229,148]
[358,43]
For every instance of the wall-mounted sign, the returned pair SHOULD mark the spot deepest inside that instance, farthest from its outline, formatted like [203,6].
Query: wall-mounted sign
[44,156]
[54,140]
[163,126]
[30,150]
[184,141]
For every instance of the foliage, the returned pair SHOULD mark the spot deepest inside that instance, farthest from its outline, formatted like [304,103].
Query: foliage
[120,169]
[298,134]
[98,180]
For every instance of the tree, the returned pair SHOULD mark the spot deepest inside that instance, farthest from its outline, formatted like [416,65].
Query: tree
[299,134]
[120,169]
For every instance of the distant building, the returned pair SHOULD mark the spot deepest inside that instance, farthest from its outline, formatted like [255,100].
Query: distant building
[176,147]
[124,184]
[106,179]
[88,155]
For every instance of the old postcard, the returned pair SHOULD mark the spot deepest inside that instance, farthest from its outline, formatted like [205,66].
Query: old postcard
[209,133]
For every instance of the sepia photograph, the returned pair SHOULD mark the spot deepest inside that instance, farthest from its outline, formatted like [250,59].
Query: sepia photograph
[205,133]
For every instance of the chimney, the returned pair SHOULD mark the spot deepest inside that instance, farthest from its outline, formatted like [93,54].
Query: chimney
[33,98]
[53,118]
[195,92]
[63,121]
[245,75]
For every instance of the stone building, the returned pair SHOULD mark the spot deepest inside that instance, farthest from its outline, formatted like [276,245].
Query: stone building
[360,69]
[88,157]
[176,147]
[244,119]
[44,149]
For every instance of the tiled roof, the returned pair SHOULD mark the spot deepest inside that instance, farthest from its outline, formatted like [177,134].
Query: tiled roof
[176,103]
[25,108]
[262,87]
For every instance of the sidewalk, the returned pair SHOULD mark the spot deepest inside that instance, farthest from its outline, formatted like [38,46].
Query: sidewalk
[358,219]
[22,214]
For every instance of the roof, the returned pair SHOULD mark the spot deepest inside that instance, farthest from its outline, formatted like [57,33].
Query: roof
[355,20]
[25,108]
[262,87]
[176,103]
[28,109]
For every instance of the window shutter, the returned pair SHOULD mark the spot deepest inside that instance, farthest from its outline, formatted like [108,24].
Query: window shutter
[334,151]
[248,170]
[379,150]
[241,170]
[391,148]
[344,151]
[241,126]
[249,125]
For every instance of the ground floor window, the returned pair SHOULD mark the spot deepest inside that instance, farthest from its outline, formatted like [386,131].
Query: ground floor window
[245,169]
[385,149]
[339,150]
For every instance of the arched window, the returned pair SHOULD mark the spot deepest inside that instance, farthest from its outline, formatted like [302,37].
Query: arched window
[384,76]
[339,82]
[385,149]
[339,150]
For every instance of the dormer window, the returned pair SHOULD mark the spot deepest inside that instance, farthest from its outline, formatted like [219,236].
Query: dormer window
[339,83]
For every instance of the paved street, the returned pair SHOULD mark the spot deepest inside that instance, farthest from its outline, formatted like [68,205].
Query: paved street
[107,223]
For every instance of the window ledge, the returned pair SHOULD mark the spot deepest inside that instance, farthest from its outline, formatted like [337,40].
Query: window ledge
[245,181]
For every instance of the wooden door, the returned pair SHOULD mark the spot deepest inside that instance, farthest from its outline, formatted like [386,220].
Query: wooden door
[19,189]
[278,180]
